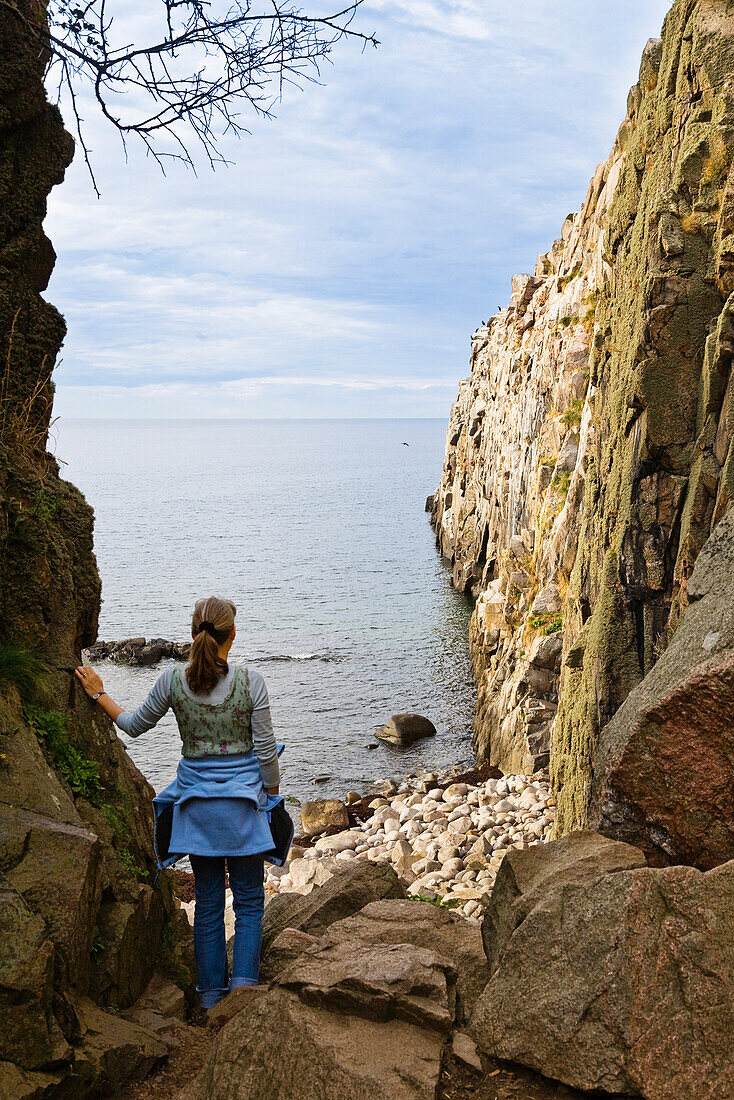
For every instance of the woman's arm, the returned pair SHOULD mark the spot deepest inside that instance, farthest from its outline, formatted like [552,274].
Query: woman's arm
[263,738]
[92,684]
[131,722]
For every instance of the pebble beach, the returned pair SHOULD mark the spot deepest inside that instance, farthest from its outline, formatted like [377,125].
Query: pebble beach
[445,842]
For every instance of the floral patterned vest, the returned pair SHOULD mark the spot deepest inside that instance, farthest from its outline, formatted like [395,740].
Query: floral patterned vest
[214,729]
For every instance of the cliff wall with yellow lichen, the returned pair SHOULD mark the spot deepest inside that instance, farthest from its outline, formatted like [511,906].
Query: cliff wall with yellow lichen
[589,453]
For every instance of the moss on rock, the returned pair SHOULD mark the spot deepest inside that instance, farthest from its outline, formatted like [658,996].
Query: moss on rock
[645,380]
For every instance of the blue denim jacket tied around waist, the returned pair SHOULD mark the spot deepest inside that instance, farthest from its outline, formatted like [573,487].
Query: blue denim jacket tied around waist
[218,806]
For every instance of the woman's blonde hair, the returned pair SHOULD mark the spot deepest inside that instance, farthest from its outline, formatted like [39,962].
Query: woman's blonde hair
[211,625]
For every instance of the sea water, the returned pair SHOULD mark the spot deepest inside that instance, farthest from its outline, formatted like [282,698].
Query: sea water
[317,531]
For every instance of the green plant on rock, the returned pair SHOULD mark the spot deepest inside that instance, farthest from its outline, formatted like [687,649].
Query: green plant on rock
[51,728]
[98,944]
[425,898]
[572,415]
[561,482]
[24,670]
[26,518]
[588,319]
[555,624]
[128,861]
[564,280]
[121,830]
[113,819]
[549,461]
[548,623]
[45,506]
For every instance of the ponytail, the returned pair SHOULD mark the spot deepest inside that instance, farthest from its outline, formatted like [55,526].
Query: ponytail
[211,626]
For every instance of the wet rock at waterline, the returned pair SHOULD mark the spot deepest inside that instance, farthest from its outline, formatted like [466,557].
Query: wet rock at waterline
[405,729]
[138,652]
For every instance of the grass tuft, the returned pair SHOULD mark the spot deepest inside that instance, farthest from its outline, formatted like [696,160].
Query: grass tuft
[24,670]
[550,623]
[561,482]
[572,416]
[24,423]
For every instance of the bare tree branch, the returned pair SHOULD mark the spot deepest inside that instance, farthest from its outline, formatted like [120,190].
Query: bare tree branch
[193,80]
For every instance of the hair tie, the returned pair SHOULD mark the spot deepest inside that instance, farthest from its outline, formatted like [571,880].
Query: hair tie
[206,625]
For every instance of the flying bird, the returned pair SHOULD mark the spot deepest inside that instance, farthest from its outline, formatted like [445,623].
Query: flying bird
[406,444]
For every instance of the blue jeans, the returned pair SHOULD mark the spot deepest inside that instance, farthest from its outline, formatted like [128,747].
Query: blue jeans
[210,949]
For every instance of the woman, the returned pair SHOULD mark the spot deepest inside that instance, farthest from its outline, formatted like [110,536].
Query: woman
[224,788]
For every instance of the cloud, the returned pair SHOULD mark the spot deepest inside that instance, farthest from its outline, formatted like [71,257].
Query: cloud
[361,235]
[461,19]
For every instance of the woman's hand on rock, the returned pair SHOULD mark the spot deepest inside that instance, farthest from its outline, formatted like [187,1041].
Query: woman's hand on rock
[89,679]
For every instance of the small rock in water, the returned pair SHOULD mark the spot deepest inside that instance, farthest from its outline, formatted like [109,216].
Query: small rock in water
[404,729]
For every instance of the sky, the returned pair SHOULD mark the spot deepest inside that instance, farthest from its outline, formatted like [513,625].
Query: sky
[338,267]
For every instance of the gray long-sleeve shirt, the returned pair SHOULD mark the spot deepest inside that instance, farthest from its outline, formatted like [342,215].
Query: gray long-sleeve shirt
[138,721]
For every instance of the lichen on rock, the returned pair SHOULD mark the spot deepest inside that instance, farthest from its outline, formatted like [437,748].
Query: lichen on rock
[589,453]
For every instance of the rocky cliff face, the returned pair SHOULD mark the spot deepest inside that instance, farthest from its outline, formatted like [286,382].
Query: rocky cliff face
[589,452]
[81,923]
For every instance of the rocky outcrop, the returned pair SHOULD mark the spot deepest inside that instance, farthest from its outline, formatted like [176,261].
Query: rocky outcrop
[614,978]
[395,922]
[345,1012]
[664,766]
[320,1053]
[138,651]
[527,877]
[83,928]
[590,452]
[364,1009]
[340,897]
